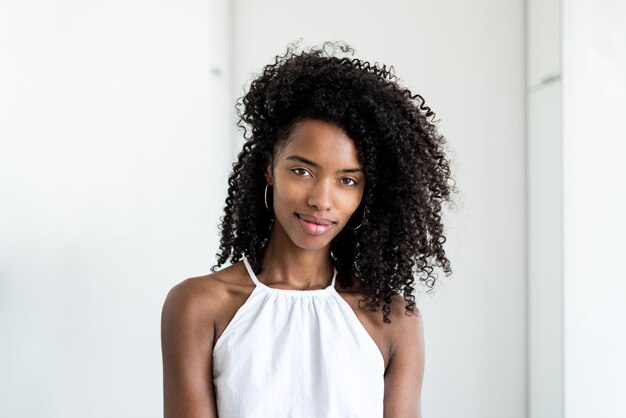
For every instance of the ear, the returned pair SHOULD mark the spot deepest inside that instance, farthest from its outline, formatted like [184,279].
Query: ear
[269,177]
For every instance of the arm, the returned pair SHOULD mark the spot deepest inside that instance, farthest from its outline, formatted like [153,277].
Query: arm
[187,345]
[405,371]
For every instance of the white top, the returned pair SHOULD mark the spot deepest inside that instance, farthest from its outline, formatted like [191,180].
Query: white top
[297,354]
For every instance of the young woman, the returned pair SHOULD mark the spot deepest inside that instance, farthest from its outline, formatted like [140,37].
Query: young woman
[333,212]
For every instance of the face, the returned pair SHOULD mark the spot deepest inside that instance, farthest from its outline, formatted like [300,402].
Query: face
[318,184]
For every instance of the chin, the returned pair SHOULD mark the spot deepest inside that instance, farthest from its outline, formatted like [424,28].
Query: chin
[313,247]
[312,243]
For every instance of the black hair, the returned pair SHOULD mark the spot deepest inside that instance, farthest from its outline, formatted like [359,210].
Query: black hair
[407,173]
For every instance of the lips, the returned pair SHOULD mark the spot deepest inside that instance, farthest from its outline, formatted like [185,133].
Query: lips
[315,220]
[315,226]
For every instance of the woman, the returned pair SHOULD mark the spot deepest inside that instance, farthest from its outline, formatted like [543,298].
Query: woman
[333,209]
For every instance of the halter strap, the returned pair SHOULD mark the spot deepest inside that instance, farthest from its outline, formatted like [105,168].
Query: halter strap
[250,272]
[256,281]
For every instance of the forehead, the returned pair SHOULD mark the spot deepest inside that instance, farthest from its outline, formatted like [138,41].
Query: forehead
[321,141]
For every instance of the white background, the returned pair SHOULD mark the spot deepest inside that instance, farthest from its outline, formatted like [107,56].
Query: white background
[113,163]
[116,139]
[594,111]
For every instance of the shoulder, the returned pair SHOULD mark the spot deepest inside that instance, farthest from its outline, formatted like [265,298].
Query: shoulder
[193,295]
[199,300]
[406,328]
[188,319]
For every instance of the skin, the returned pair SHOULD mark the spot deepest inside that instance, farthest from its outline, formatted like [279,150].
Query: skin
[316,173]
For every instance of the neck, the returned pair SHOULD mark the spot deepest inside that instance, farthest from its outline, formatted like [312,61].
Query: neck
[291,267]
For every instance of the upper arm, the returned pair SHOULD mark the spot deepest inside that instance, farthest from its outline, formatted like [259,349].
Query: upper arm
[187,330]
[405,371]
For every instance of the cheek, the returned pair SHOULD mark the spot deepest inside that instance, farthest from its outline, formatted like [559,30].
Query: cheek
[352,203]
[288,193]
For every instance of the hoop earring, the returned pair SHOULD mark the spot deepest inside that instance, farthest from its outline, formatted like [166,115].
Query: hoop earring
[266,186]
[354,229]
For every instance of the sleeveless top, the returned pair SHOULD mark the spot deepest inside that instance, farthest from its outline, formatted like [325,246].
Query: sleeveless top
[297,354]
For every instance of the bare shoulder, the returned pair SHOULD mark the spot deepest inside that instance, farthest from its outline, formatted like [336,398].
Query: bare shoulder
[406,326]
[207,303]
[190,313]
[401,319]
[193,297]
[202,297]
[387,336]
[400,313]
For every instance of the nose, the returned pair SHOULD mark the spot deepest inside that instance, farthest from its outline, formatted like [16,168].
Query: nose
[321,195]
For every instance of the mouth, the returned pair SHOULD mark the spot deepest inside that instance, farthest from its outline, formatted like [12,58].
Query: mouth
[313,225]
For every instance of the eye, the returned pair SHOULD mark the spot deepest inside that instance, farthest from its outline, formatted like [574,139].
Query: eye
[300,171]
[347,183]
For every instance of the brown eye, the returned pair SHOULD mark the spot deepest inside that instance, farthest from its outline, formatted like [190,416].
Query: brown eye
[300,171]
[348,181]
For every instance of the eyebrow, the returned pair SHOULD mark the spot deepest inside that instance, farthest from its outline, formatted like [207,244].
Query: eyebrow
[314,164]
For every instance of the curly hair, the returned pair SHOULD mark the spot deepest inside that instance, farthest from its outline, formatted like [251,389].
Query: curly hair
[407,174]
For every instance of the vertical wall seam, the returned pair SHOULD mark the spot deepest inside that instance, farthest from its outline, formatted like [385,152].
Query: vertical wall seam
[526,395]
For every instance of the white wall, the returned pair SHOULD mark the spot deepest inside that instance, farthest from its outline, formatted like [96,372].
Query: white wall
[577,133]
[545,252]
[467,60]
[594,121]
[113,164]
[114,149]
[545,209]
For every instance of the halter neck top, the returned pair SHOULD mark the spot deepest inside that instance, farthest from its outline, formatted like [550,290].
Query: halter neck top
[297,354]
